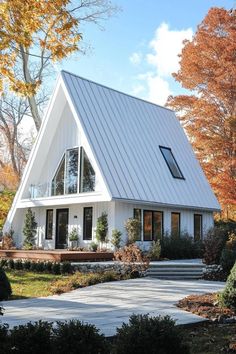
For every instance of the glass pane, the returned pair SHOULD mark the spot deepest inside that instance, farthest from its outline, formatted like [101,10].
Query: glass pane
[197,227]
[88,222]
[87,174]
[58,180]
[147,225]
[157,225]
[62,228]
[175,224]
[137,215]
[49,224]
[169,158]
[71,171]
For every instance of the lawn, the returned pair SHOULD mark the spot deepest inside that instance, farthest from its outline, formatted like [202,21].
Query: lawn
[27,284]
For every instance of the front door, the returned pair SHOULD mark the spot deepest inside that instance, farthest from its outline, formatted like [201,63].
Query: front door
[62,228]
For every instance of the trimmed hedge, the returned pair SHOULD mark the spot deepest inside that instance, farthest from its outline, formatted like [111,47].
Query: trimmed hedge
[183,247]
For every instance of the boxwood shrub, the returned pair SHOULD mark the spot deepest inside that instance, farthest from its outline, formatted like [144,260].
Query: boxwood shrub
[227,297]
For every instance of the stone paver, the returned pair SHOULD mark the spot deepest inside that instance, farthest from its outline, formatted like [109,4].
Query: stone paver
[108,305]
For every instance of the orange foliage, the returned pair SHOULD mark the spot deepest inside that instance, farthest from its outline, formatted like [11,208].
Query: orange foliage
[8,179]
[208,69]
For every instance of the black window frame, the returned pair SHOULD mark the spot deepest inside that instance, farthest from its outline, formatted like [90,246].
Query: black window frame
[85,237]
[194,223]
[140,219]
[162,224]
[167,163]
[47,222]
[179,214]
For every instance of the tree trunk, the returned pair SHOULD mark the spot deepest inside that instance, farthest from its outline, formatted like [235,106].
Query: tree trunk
[34,111]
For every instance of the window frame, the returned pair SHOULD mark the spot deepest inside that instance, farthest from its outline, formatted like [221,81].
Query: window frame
[87,239]
[194,222]
[82,152]
[46,226]
[179,214]
[162,224]
[167,163]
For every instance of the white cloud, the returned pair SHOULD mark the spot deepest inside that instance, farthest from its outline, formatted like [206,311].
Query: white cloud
[135,58]
[158,89]
[166,46]
[137,89]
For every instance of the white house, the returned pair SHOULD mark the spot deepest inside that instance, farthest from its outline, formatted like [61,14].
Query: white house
[100,150]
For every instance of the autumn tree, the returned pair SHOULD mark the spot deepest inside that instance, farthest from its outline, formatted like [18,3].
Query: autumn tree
[208,70]
[35,34]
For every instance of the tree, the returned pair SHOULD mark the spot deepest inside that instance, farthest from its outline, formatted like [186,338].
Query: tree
[29,229]
[208,70]
[132,227]
[34,34]
[5,287]
[102,228]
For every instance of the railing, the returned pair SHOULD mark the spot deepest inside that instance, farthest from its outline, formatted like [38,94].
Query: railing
[40,190]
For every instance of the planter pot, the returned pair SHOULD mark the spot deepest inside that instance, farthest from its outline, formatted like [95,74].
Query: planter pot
[73,244]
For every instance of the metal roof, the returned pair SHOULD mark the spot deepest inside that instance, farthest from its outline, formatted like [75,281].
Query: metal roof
[125,133]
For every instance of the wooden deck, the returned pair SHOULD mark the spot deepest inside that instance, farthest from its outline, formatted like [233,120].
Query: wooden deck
[57,255]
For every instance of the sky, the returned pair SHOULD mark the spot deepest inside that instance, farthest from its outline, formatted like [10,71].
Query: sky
[138,50]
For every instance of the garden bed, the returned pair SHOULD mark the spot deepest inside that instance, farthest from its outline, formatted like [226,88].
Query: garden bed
[57,255]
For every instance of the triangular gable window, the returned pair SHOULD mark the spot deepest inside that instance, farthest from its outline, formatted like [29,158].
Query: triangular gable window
[65,180]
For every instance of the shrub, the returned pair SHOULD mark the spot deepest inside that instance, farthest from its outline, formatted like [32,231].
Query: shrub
[182,247]
[155,251]
[7,240]
[102,228]
[48,266]
[33,266]
[227,297]
[76,337]
[18,264]
[56,268]
[29,229]
[66,268]
[227,259]
[213,245]
[116,238]
[11,264]
[26,265]
[4,339]
[31,338]
[132,227]
[152,335]
[40,267]
[5,287]
[93,246]
[131,255]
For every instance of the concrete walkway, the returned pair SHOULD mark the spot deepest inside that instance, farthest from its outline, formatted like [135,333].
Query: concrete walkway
[108,305]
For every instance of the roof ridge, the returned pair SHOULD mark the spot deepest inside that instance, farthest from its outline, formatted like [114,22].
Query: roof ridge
[110,88]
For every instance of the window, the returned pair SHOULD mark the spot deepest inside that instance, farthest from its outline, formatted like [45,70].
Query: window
[137,215]
[87,174]
[152,225]
[175,224]
[171,162]
[71,171]
[65,180]
[88,223]
[197,227]
[49,224]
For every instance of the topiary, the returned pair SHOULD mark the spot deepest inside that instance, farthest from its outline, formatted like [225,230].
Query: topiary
[76,337]
[132,227]
[29,229]
[227,297]
[102,228]
[152,335]
[116,238]
[5,286]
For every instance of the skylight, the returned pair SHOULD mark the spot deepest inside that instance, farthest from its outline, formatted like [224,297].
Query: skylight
[171,162]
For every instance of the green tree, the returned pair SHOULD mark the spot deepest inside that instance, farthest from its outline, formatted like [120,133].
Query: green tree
[30,229]
[102,228]
[132,227]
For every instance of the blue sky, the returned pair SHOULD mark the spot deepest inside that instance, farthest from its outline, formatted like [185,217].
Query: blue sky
[137,51]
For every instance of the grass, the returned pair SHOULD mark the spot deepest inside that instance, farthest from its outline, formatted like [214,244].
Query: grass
[26,284]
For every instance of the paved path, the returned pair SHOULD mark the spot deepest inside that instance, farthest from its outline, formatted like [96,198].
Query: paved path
[108,305]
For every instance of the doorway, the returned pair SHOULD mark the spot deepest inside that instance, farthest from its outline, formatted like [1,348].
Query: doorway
[62,216]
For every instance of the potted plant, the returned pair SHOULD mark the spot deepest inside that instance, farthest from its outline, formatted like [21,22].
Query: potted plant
[73,238]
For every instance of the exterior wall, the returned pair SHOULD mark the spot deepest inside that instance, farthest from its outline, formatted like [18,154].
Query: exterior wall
[123,211]
[75,220]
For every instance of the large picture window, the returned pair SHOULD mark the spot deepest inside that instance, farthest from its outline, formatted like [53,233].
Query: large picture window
[197,227]
[152,225]
[87,174]
[49,224]
[88,223]
[175,224]
[65,180]
[171,162]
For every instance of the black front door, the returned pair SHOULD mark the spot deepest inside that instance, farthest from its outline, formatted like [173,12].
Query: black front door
[62,228]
